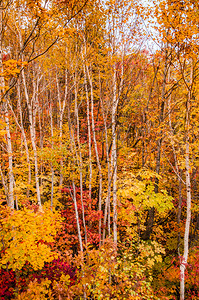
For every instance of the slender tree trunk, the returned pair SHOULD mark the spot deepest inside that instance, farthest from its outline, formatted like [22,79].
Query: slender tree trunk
[62,105]
[89,133]
[10,159]
[40,123]
[114,157]
[21,127]
[77,217]
[80,158]
[73,184]
[4,183]
[51,164]
[184,258]
[89,74]
[115,101]
[107,202]
[24,137]
[73,195]
[6,117]
[32,115]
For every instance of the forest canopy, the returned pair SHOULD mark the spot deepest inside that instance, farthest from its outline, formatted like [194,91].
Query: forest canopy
[99,150]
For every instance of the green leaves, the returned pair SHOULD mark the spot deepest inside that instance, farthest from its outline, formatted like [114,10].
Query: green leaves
[140,188]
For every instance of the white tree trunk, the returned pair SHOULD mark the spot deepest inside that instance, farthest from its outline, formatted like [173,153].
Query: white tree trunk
[89,74]
[114,157]
[24,138]
[79,158]
[107,202]
[10,159]
[6,117]
[62,105]
[32,114]
[184,258]
[73,185]
[51,164]
[89,132]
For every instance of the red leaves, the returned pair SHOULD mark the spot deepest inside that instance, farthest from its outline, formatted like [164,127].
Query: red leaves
[7,284]
[5,57]
[67,237]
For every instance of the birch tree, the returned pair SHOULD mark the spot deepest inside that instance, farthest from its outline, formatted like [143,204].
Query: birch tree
[4,6]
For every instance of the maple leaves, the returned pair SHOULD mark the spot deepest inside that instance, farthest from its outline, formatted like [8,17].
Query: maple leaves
[181,19]
[11,68]
[98,130]
[27,236]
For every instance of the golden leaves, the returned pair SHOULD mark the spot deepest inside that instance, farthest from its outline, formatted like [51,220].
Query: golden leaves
[27,236]
[37,291]
[11,68]
[140,189]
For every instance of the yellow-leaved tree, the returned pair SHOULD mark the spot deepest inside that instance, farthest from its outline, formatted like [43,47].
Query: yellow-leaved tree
[27,236]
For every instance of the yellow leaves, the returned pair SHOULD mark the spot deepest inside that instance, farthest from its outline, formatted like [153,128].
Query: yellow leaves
[150,262]
[195,208]
[95,270]
[140,189]
[178,24]
[136,194]
[66,32]
[131,273]
[27,237]
[11,68]
[65,279]
[2,128]
[150,253]
[37,291]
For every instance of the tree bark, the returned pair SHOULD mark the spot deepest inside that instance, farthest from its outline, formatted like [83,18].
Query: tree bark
[62,105]
[89,74]
[32,115]
[89,133]
[184,258]
[10,198]
[80,157]
[114,156]
[151,212]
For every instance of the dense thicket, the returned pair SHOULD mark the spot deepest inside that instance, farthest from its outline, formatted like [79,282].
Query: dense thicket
[99,150]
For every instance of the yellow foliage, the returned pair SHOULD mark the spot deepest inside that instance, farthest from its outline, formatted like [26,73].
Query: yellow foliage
[12,67]
[37,291]
[150,253]
[104,274]
[27,236]
[140,189]
[2,128]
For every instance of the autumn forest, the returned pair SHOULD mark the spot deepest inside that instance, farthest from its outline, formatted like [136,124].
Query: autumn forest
[99,152]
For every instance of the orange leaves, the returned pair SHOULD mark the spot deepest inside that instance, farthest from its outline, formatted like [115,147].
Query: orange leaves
[37,291]
[178,24]
[2,128]
[11,68]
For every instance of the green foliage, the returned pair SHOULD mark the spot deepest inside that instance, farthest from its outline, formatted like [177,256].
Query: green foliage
[140,189]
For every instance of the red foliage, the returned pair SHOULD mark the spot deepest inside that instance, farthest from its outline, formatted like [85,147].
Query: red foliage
[192,274]
[7,284]
[54,270]
[5,57]
[67,237]
[9,280]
